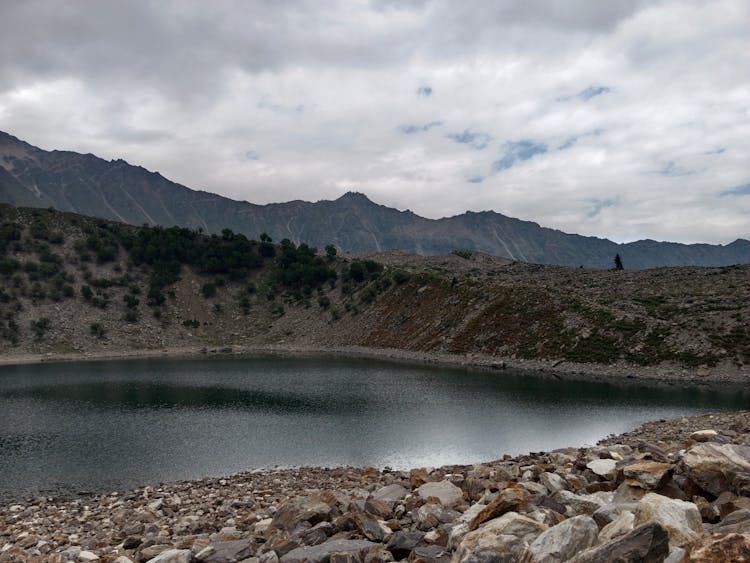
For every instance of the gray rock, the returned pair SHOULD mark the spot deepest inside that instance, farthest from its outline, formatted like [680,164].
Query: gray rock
[623,524]
[553,482]
[503,539]
[647,474]
[390,493]
[430,554]
[401,543]
[173,556]
[578,504]
[560,543]
[303,509]
[606,468]
[703,435]
[714,467]
[229,551]
[610,512]
[321,553]
[448,494]
[646,544]
[737,522]
[681,519]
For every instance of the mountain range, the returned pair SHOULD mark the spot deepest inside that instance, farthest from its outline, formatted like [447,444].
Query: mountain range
[89,185]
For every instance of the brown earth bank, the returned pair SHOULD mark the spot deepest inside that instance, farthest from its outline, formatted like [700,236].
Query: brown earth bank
[671,490]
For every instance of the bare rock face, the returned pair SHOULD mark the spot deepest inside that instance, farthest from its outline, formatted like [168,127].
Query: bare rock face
[681,519]
[717,467]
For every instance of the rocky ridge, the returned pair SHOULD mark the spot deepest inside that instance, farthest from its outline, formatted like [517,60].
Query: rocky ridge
[650,495]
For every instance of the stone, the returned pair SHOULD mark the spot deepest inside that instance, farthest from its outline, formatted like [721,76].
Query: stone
[610,512]
[173,556]
[645,544]
[606,468]
[448,494]
[429,554]
[304,509]
[552,482]
[503,539]
[621,525]
[401,543]
[578,504]
[510,499]
[131,542]
[560,543]
[681,519]
[380,508]
[390,493]
[123,559]
[703,435]
[714,467]
[735,522]
[229,551]
[86,556]
[647,474]
[323,552]
[717,548]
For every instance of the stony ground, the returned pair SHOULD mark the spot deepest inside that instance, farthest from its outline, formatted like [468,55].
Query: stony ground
[675,490]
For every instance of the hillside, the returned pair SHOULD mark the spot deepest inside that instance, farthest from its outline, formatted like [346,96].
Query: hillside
[74,285]
[118,191]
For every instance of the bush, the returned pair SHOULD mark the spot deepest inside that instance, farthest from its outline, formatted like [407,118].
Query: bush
[40,327]
[97,330]
[324,302]
[208,290]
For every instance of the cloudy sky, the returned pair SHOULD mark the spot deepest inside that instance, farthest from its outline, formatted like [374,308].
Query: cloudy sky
[625,119]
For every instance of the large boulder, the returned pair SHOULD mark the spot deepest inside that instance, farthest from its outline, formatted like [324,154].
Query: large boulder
[511,499]
[503,539]
[681,519]
[717,548]
[310,509]
[717,467]
[445,491]
[648,543]
[647,474]
[560,543]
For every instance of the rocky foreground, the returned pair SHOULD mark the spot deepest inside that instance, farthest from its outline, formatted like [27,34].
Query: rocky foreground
[669,491]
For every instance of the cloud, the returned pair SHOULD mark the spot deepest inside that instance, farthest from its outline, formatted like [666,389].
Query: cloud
[598,204]
[410,129]
[477,141]
[319,89]
[518,150]
[744,189]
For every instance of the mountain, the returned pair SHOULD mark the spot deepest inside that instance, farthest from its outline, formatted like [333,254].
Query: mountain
[86,184]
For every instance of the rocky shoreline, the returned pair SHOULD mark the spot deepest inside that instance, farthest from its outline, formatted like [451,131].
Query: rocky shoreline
[616,372]
[672,490]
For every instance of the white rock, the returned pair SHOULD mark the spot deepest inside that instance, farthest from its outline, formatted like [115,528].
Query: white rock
[603,467]
[703,435]
[87,556]
[561,542]
[173,556]
[681,519]
[508,536]
[553,482]
[448,494]
[620,526]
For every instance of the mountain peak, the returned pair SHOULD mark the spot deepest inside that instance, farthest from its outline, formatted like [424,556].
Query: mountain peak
[355,197]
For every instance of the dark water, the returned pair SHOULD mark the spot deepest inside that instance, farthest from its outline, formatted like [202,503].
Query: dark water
[102,426]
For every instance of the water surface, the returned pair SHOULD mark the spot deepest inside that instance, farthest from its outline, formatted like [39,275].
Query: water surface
[66,428]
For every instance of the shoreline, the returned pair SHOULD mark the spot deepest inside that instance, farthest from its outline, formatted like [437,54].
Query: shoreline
[620,372]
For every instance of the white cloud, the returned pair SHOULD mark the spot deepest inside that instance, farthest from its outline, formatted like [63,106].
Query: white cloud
[317,92]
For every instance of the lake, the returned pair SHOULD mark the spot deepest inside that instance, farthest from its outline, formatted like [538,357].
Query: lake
[98,426]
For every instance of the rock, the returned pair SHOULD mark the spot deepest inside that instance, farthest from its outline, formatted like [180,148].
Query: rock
[611,512]
[430,554]
[503,539]
[323,552]
[606,468]
[578,504]
[717,548]
[401,543]
[647,474]
[709,512]
[715,467]
[703,435]
[380,508]
[173,556]
[510,499]
[431,515]
[448,494]
[229,551]
[87,556]
[552,482]
[736,522]
[123,559]
[370,527]
[303,509]
[390,493]
[621,525]
[561,542]
[646,544]
[131,542]
[681,519]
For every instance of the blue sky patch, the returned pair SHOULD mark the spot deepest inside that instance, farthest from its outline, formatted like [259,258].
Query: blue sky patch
[424,91]
[744,189]
[472,139]
[475,180]
[592,92]
[411,129]
[518,150]
[672,170]
[598,204]
[569,142]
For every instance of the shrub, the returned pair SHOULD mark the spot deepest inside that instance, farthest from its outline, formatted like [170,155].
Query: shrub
[40,327]
[208,290]
[97,330]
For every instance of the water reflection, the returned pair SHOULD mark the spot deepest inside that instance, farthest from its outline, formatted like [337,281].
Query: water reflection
[114,424]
